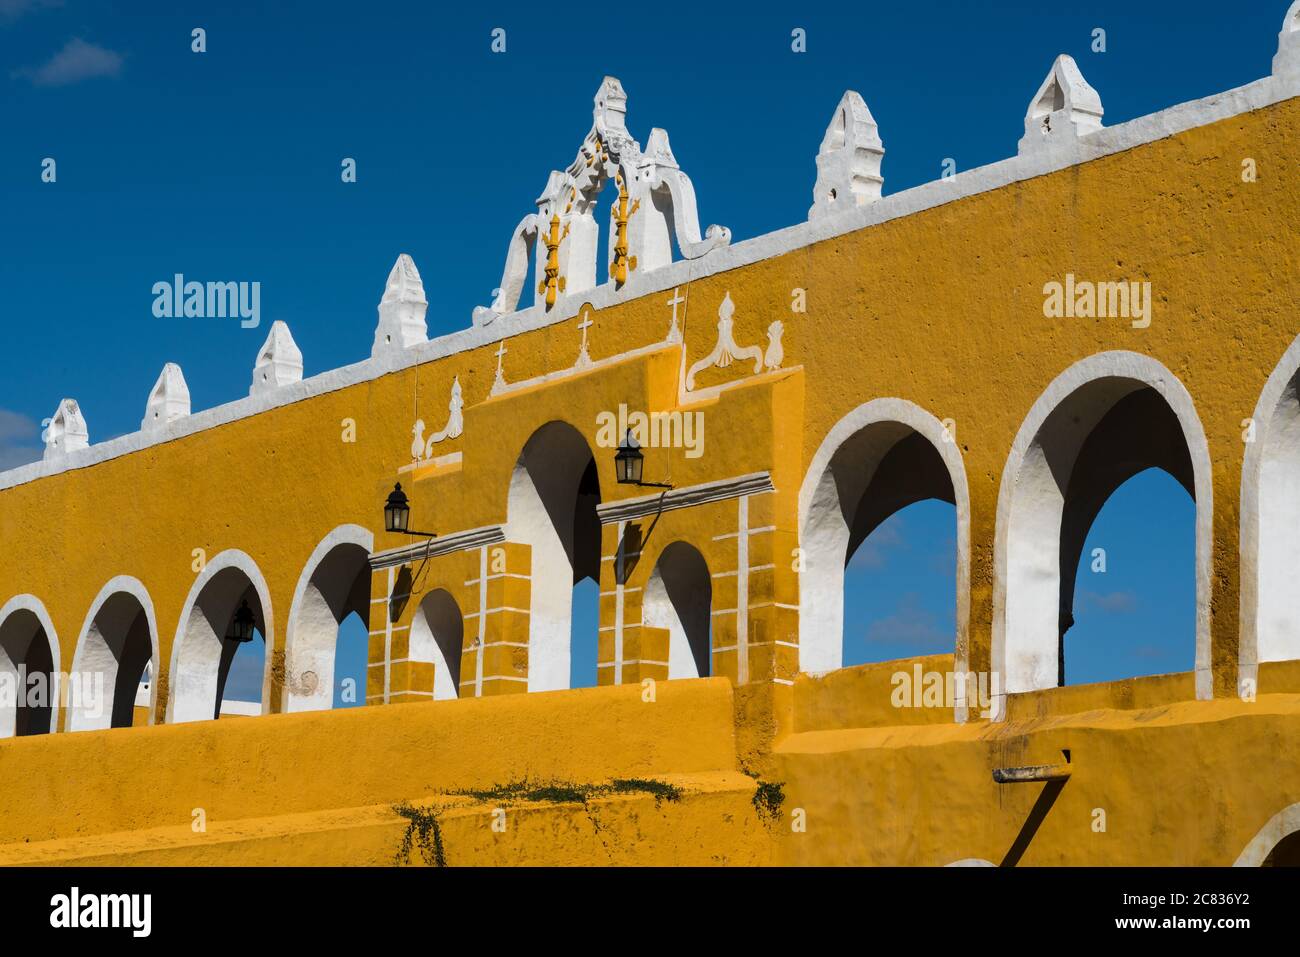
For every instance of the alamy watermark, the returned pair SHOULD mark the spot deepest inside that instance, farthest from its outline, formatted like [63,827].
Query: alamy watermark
[1083,299]
[80,691]
[210,300]
[919,688]
[655,430]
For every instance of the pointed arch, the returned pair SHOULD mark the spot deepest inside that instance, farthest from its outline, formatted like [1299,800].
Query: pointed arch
[438,636]
[117,643]
[1100,422]
[335,582]
[28,645]
[679,597]
[200,657]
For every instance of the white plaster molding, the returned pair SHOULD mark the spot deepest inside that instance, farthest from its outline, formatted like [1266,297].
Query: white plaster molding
[1281,825]
[311,632]
[279,361]
[1025,650]
[32,604]
[1105,142]
[422,450]
[625,510]
[1064,108]
[91,646]
[193,655]
[67,431]
[401,309]
[1270,510]
[848,161]
[1286,63]
[725,349]
[442,545]
[169,399]
[821,584]
[971,862]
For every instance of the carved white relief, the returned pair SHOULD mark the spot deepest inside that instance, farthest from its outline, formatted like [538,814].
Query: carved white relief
[169,399]
[1064,108]
[848,162]
[653,204]
[67,430]
[725,350]
[401,309]
[279,361]
[422,450]
[674,332]
[584,357]
[775,354]
[499,384]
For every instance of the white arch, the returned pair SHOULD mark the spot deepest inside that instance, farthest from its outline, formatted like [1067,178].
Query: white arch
[9,668]
[1025,652]
[821,585]
[678,597]
[971,862]
[196,650]
[1281,825]
[93,655]
[1270,517]
[438,636]
[311,635]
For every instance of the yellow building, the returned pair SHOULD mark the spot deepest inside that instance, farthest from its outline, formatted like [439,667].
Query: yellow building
[1018,340]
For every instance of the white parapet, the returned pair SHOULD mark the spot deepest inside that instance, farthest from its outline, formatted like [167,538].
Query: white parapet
[848,162]
[401,310]
[1286,64]
[67,431]
[1064,108]
[169,399]
[279,361]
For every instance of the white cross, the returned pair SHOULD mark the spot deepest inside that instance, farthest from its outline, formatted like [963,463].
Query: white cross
[584,326]
[676,301]
[501,351]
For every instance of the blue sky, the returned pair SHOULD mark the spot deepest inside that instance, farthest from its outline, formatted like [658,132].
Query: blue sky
[225,165]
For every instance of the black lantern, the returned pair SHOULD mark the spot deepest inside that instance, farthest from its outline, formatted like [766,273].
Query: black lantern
[397,514]
[397,510]
[629,461]
[241,628]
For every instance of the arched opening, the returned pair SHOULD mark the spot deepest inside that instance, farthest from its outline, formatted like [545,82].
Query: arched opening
[554,491]
[679,597]
[351,657]
[334,586]
[1101,423]
[1277,844]
[205,670]
[1270,518]
[438,636]
[885,467]
[28,659]
[1285,853]
[116,647]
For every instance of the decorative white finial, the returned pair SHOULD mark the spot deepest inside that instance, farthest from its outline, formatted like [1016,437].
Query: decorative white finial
[610,111]
[1286,65]
[279,361]
[169,399]
[67,431]
[1064,108]
[848,163]
[402,309]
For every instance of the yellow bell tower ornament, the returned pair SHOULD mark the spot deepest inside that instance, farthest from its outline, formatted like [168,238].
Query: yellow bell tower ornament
[621,263]
[552,281]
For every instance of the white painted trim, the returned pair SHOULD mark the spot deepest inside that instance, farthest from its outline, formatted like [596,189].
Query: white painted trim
[827,656]
[230,558]
[443,545]
[1139,368]
[720,490]
[342,535]
[971,862]
[31,603]
[1281,825]
[1276,390]
[129,585]
[1092,146]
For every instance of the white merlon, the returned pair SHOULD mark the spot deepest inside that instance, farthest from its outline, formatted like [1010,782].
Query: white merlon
[402,309]
[169,399]
[279,361]
[848,162]
[67,431]
[1064,109]
[1286,64]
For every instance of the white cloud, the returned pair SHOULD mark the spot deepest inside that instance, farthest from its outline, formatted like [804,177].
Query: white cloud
[20,439]
[1114,603]
[910,624]
[77,61]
